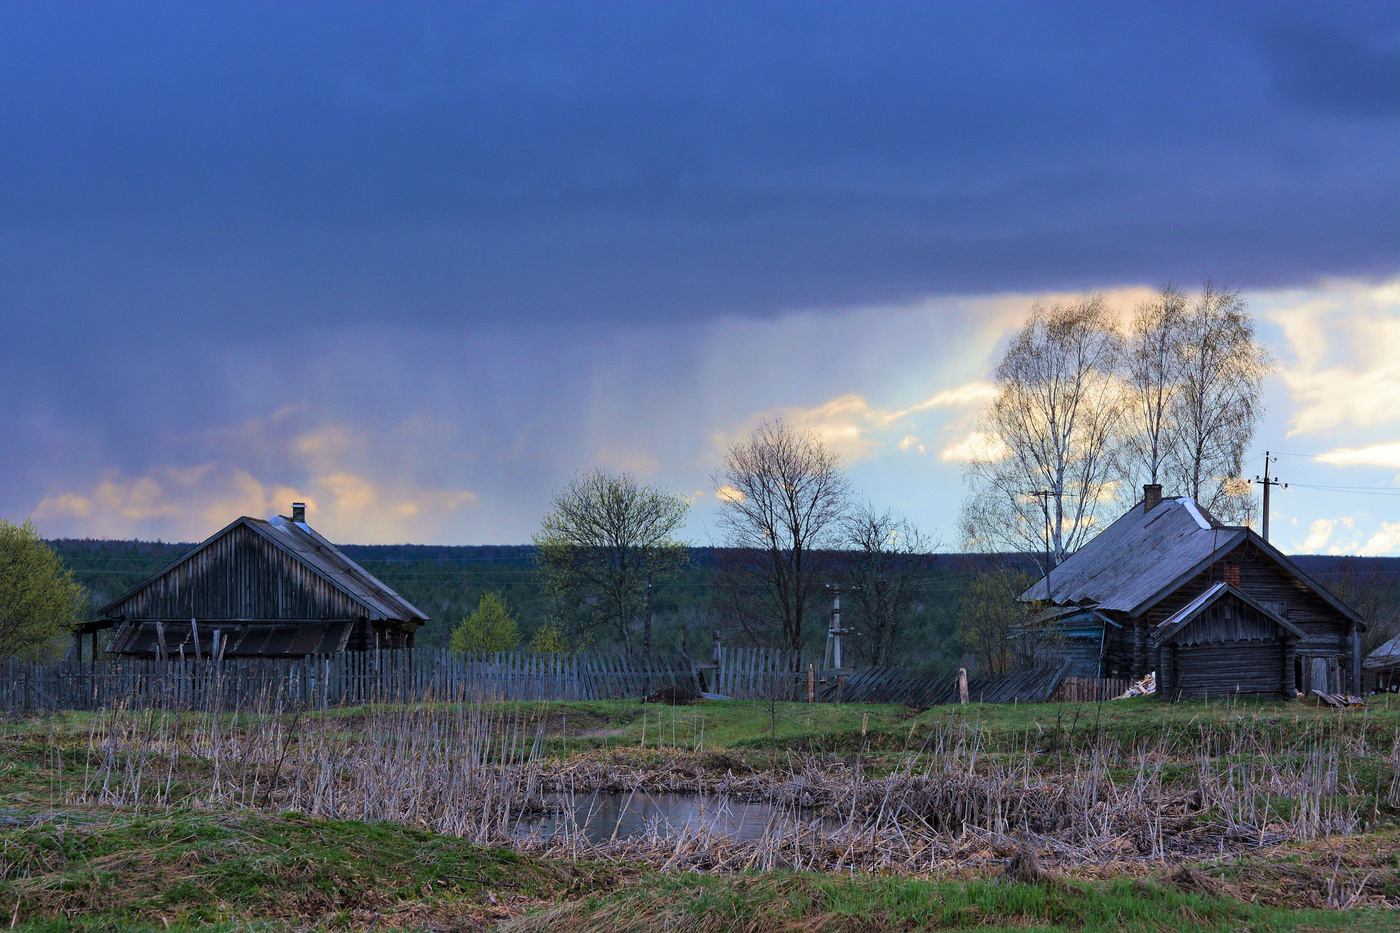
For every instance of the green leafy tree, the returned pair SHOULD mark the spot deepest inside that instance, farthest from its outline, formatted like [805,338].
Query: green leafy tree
[991,622]
[605,541]
[549,640]
[39,600]
[491,626]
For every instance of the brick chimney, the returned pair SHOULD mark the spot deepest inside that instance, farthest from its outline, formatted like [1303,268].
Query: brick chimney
[1151,496]
[299,510]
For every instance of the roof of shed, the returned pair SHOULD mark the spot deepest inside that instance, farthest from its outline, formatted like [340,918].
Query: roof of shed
[1384,657]
[320,556]
[1183,616]
[329,561]
[1135,560]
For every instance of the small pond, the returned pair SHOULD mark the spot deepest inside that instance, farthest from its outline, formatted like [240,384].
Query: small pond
[602,816]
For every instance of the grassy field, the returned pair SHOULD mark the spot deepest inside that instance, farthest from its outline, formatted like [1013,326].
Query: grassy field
[172,830]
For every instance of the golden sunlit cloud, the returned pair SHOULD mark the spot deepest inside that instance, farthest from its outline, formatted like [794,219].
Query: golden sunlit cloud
[1385,455]
[1344,339]
[729,494]
[976,446]
[191,504]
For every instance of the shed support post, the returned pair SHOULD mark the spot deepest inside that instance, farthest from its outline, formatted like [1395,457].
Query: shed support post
[1139,648]
[1351,675]
[1290,679]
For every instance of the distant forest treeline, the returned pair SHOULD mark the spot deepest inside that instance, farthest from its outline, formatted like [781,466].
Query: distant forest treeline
[447,582]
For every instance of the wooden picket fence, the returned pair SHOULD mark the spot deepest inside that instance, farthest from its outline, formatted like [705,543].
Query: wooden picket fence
[1091,689]
[345,679]
[354,678]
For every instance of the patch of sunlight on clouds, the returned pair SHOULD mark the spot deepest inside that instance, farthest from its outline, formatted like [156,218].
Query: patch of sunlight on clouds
[1344,343]
[190,504]
[1385,541]
[1318,536]
[1386,455]
[977,445]
[856,430]
[729,494]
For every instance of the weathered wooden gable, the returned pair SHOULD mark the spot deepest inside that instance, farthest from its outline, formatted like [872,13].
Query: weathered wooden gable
[239,575]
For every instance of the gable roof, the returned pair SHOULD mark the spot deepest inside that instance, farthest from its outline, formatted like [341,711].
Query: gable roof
[318,555]
[1144,556]
[1188,613]
[1137,559]
[1384,657]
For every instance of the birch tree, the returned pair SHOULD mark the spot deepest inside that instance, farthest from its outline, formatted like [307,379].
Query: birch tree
[782,496]
[1151,376]
[1218,403]
[1050,458]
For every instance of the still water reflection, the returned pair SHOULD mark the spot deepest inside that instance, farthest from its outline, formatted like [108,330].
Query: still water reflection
[603,816]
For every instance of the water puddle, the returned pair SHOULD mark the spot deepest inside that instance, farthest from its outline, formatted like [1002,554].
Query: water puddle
[605,816]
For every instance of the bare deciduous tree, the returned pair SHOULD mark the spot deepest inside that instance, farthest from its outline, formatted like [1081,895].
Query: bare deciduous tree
[604,538]
[887,558]
[782,496]
[1052,427]
[1218,402]
[1151,381]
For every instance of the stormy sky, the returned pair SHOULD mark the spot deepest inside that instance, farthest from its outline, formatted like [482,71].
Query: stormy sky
[419,263]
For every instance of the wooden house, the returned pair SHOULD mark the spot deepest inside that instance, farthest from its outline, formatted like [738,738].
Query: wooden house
[1214,609]
[258,588]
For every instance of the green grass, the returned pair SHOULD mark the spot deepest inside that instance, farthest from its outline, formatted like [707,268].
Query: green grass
[191,869]
[784,901]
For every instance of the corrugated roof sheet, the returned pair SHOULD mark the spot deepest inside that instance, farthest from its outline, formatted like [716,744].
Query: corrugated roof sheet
[1137,557]
[329,561]
[1384,657]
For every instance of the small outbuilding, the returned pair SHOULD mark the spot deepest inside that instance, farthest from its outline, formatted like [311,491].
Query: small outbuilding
[1384,664]
[260,588]
[1225,643]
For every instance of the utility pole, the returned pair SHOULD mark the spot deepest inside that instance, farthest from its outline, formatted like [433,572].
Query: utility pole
[833,637]
[1266,483]
[646,634]
[1044,496]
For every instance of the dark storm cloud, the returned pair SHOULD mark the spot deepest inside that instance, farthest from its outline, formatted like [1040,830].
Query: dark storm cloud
[270,163]
[477,244]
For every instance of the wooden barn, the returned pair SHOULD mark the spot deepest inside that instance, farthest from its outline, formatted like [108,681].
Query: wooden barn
[258,588]
[1215,609]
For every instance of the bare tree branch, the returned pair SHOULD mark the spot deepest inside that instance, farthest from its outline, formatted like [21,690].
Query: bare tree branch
[782,495]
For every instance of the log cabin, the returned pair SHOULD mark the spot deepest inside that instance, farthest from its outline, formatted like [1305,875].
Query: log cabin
[1214,609]
[271,588]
